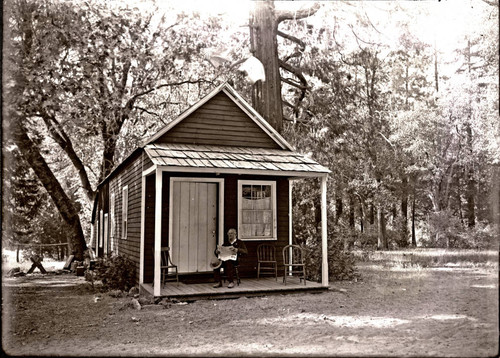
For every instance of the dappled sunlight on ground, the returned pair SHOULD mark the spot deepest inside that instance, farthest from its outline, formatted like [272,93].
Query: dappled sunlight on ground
[341,321]
[410,312]
[46,281]
[445,317]
[485,286]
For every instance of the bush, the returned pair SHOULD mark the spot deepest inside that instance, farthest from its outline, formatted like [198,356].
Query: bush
[341,263]
[446,231]
[307,233]
[116,273]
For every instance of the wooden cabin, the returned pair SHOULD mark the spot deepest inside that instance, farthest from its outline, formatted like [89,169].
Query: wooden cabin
[219,165]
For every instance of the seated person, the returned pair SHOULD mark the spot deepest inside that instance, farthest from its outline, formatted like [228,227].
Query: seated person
[238,248]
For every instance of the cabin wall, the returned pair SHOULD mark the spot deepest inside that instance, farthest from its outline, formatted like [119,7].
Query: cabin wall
[128,174]
[248,263]
[219,122]
[149,228]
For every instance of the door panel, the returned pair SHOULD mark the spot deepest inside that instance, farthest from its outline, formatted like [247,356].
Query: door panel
[194,225]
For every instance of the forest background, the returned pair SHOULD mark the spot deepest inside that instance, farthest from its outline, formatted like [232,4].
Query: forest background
[398,99]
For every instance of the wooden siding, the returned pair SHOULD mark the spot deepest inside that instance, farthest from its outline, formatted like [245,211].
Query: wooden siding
[130,174]
[219,122]
[149,229]
[248,264]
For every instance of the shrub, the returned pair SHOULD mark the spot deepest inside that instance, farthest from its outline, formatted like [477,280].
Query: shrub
[116,273]
[341,263]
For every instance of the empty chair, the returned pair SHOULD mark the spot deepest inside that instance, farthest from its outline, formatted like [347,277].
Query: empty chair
[294,262]
[266,260]
[168,269]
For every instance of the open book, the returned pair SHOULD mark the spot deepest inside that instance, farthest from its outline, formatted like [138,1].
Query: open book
[227,253]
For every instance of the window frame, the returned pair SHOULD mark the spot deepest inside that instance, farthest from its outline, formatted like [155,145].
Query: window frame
[112,223]
[124,212]
[274,229]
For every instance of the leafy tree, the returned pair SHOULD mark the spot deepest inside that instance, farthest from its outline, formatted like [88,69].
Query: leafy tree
[79,72]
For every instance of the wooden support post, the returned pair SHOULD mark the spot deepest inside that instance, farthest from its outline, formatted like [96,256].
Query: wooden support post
[324,233]
[157,246]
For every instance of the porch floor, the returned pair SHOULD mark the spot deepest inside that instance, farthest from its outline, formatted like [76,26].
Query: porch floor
[248,287]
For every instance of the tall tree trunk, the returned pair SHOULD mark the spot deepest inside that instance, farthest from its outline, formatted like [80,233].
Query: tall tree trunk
[352,220]
[64,204]
[14,126]
[266,96]
[413,232]
[471,182]
[361,214]
[382,235]
[404,211]
[436,73]
[339,209]
[372,214]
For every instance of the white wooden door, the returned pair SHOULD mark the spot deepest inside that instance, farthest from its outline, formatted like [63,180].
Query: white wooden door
[194,225]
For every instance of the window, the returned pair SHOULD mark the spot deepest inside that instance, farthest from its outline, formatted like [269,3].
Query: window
[124,211]
[257,210]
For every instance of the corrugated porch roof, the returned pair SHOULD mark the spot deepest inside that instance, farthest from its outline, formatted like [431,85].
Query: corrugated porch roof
[225,158]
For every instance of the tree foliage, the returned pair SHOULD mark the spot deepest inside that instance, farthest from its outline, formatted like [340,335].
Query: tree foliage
[411,136]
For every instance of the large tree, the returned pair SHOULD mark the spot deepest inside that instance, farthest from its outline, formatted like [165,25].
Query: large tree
[264,32]
[78,72]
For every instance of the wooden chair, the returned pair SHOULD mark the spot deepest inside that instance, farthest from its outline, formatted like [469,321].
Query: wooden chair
[166,266]
[294,262]
[266,260]
[236,275]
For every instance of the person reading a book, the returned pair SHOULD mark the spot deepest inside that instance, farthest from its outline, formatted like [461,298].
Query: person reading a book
[229,253]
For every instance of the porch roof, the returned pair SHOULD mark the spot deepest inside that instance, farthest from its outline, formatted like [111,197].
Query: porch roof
[225,158]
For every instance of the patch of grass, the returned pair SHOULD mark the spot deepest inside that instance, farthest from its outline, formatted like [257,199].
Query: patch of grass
[423,258]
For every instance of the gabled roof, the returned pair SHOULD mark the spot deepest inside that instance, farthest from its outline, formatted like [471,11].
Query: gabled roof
[240,102]
[228,159]
[233,159]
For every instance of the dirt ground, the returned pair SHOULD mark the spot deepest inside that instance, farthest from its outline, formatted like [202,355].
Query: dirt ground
[405,312]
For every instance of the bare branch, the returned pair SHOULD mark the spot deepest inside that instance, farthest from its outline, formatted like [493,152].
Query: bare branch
[282,15]
[491,3]
[293,39]
[295,54]
[295,71]
[292,82]
[61,138]
[285,118]
[146,111]
[132,100]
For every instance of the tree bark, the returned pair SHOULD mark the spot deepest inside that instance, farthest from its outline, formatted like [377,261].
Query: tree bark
[266,96]
[471,183]
[404,211]
[382,236]
[65,206]
[352,221]
[413,232]
[339,208]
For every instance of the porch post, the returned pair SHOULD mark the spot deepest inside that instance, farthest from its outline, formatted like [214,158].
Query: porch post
[158,205]
[143,223]
[324,233]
